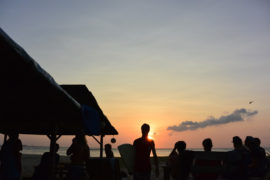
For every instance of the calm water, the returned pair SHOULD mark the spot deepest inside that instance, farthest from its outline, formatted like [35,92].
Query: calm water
[95,152]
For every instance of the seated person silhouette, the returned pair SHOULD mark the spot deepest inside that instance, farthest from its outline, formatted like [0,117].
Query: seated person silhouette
[114,170]
[108,151]
[257,167]
[206,163]
[79,153]
[11,167]
[43,170]
[236,163]
[180,161]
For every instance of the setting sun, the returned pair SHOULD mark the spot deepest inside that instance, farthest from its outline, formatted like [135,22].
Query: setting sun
[150,135]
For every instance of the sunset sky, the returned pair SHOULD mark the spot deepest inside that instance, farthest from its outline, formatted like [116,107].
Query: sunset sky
[156,62]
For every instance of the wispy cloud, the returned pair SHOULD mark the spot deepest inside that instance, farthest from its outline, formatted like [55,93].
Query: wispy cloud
[237,115]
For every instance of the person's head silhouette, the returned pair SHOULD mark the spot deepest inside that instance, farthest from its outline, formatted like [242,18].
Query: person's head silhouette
[180,146]
[257,142]
[13,135]
[249,143]
[207,144]
[108,147]
[145,130]
[237,142]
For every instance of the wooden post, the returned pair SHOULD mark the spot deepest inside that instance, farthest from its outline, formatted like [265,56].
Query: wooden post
[52,148]
[101,146]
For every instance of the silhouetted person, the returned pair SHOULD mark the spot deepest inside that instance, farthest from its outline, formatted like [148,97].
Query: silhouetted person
[114,171]
[43,170]
[11,167]
[257,167]
[237,161]
[249,143]
[207,145]
[256,159]
[257,143]
[108,151]
[143,147]
[180,161]
[79,154]
[207,163]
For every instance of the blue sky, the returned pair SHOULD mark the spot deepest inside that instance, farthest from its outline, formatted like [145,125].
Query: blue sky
[180,60]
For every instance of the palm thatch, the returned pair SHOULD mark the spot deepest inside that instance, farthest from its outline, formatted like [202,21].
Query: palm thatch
[82,95]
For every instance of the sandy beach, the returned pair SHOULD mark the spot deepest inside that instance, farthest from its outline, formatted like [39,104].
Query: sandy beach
[30,161]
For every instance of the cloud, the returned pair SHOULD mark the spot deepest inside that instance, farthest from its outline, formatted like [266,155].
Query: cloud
[237,115]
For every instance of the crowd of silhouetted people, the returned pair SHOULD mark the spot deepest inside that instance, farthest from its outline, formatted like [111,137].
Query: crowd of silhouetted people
[247,160]
[79,153]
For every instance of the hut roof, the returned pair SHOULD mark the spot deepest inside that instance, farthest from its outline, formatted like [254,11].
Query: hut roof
[31,101]
[82,95]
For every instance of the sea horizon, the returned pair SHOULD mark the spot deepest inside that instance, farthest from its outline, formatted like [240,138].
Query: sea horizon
[95,152]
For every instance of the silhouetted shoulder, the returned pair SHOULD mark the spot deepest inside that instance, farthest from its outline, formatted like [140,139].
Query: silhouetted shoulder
[152,143]
[136,141]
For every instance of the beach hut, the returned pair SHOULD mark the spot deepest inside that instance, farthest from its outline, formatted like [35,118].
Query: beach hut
[82,95]
[32,102]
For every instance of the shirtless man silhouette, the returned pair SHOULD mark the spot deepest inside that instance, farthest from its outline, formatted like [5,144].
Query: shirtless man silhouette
[143,147]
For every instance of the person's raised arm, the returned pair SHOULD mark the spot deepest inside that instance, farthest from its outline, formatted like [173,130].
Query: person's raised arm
[173,152]
[155,159]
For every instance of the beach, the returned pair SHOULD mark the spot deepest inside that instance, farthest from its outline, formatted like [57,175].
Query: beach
[32,154]
[29,161]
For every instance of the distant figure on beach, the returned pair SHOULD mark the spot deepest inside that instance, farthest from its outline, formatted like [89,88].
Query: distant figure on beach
[43,170]
[143,147]
[108,151]
[207,163]
[79,154]
[180,161]
[11,167]
[237,161]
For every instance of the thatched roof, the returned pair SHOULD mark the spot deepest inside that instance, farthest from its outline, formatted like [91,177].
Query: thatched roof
[31,101]
[82,95]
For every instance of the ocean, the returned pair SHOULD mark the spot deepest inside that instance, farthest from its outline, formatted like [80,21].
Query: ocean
[95,152]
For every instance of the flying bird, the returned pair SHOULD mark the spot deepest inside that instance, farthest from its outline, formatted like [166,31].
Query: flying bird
[250,102]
